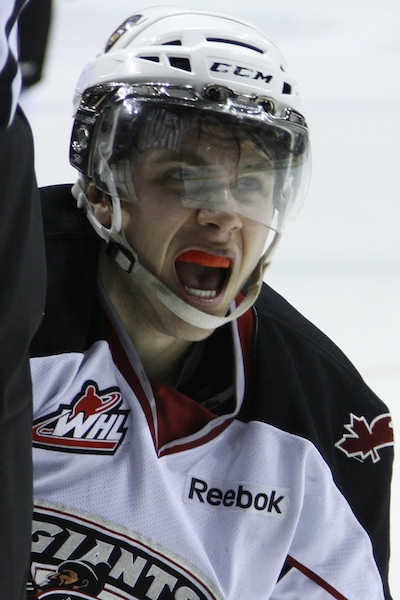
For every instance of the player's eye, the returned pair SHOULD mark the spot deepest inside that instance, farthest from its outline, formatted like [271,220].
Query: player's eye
[250,188]
[184,174]
[189,181]
[249,183]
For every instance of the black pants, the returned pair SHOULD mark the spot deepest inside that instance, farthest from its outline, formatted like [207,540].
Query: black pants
[22,291]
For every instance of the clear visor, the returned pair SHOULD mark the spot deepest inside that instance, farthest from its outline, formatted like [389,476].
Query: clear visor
[200,159]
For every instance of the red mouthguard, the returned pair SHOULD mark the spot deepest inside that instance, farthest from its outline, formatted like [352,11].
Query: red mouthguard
[204,259]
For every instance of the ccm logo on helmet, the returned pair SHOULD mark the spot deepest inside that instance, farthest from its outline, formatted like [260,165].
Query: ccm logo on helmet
[219,67]
[250,497]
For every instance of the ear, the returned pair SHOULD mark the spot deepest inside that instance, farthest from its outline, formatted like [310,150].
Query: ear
[101,205]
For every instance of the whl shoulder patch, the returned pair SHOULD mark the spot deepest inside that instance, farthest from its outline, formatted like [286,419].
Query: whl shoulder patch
[91,424]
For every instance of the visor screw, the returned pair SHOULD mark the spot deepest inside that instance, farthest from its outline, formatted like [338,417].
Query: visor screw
[267,106]
[82,137]
[215,94]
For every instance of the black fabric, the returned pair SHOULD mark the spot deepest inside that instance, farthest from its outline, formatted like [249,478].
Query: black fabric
[22,276]
[33,39]
[208,373]
[71,251]
[301,382]
[9,70]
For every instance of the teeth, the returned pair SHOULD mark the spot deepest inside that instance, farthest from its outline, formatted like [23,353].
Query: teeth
[206,294]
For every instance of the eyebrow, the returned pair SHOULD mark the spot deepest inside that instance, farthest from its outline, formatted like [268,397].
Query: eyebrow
[188,156]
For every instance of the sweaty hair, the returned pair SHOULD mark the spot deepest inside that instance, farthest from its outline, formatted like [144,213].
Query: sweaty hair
[170,126]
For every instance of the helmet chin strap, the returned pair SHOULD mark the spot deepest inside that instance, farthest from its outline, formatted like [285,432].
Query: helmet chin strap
[127,259]
[129,262]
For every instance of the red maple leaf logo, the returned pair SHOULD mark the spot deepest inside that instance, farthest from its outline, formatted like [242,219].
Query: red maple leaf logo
[366,439]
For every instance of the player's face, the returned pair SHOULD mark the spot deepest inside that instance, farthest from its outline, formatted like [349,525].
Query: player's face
[189,223]
[205,255]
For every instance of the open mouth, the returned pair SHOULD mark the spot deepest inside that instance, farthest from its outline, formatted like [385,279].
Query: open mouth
[203,275]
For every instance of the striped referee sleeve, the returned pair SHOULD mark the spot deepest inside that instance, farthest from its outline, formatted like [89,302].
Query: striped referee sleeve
[10,76]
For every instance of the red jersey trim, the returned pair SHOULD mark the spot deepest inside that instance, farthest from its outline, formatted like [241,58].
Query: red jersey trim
[178,416]
[315,578]
[122,361]
[246,336]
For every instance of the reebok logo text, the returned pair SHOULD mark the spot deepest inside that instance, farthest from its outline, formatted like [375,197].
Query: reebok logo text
[251,497]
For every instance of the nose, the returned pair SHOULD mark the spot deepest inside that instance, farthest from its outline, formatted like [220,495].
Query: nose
[221,220]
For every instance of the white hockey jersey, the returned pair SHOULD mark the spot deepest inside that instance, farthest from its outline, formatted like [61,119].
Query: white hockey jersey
[143,492]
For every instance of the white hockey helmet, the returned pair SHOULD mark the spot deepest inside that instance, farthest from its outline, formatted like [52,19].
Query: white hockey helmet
[168,66]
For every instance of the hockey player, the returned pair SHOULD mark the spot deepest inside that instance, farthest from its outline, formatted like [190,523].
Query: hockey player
[194,436]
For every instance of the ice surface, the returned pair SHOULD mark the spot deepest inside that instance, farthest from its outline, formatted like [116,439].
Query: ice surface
[340,262]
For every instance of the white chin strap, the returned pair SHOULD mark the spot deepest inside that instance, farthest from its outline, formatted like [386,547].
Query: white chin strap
[129,262]
[127,259]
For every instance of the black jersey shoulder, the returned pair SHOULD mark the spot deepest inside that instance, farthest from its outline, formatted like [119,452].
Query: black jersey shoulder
[297,366]
[71,254]
[301,381]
